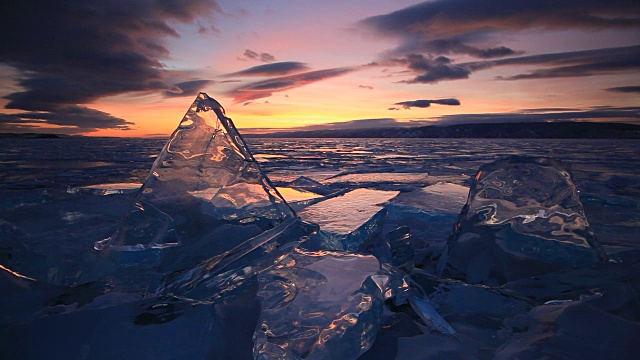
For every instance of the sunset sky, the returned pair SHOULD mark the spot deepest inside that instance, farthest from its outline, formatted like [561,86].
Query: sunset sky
[132,68]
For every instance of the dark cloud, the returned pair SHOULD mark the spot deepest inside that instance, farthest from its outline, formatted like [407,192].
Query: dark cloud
[537,110]
[187,88]
[393,109]
[462,26]
[427,103]
[429,69]
[599,113]
[456,46]
[275,69]
[75,52]
[266,88]
[252,55]
[625,89]
[73,118]
[365,87]
[202,29]
[577,63]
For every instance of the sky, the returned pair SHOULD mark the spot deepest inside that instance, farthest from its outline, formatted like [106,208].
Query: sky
[132,68]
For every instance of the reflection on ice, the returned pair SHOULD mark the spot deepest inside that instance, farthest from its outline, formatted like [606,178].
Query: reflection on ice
[320,305]
[347,220]
[523,218]
[430,212]
[441,198]
[108,189]
[293,195]
[308,184]
[376,178]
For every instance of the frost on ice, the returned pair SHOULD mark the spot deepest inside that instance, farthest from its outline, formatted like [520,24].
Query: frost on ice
[523,218]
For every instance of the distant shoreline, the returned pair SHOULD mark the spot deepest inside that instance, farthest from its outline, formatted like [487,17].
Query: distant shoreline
[552,130]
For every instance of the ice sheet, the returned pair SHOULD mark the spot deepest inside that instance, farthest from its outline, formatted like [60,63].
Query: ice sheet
[346,221]
[430,212]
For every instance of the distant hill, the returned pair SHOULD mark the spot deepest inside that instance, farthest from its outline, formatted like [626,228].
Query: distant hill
[541,130]
[30,136]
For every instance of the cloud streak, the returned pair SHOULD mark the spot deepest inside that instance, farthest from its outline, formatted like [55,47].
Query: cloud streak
[187,88]
[573,64]
[429,69]
[275,69]
[598,113]
[427,103]
[625,89]
[72,118]
[266,88]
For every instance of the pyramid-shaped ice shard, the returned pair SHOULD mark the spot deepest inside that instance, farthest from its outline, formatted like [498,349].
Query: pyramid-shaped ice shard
[523,218]
[205,177]
[206,201]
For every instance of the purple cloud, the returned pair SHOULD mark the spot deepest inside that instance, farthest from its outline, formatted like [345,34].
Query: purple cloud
[266,88]
[427,103]
[275,69]
[263,57]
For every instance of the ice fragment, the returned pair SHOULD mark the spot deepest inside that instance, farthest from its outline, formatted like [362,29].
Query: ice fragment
[347,221]
[318,305]
[523,218]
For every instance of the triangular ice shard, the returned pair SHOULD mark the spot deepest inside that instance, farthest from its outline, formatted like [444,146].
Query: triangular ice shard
[205,212]
[204,178]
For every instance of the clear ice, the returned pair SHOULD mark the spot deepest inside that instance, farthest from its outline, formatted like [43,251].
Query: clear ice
[430,212]
[206,212]
[346,221]
[523,218]
[318,305]
[205,172]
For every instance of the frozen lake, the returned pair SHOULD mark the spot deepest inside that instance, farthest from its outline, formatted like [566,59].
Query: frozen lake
[385,207]
[606,172]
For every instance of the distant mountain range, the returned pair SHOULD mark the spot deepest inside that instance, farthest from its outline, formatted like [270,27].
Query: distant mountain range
[532,130]
[31,136]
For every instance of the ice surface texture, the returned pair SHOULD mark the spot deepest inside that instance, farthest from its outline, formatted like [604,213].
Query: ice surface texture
[346,221]
[207,195]
[523,218]
[318,305]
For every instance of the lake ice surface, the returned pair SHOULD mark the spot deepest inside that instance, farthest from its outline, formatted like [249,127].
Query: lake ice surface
[59,196]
